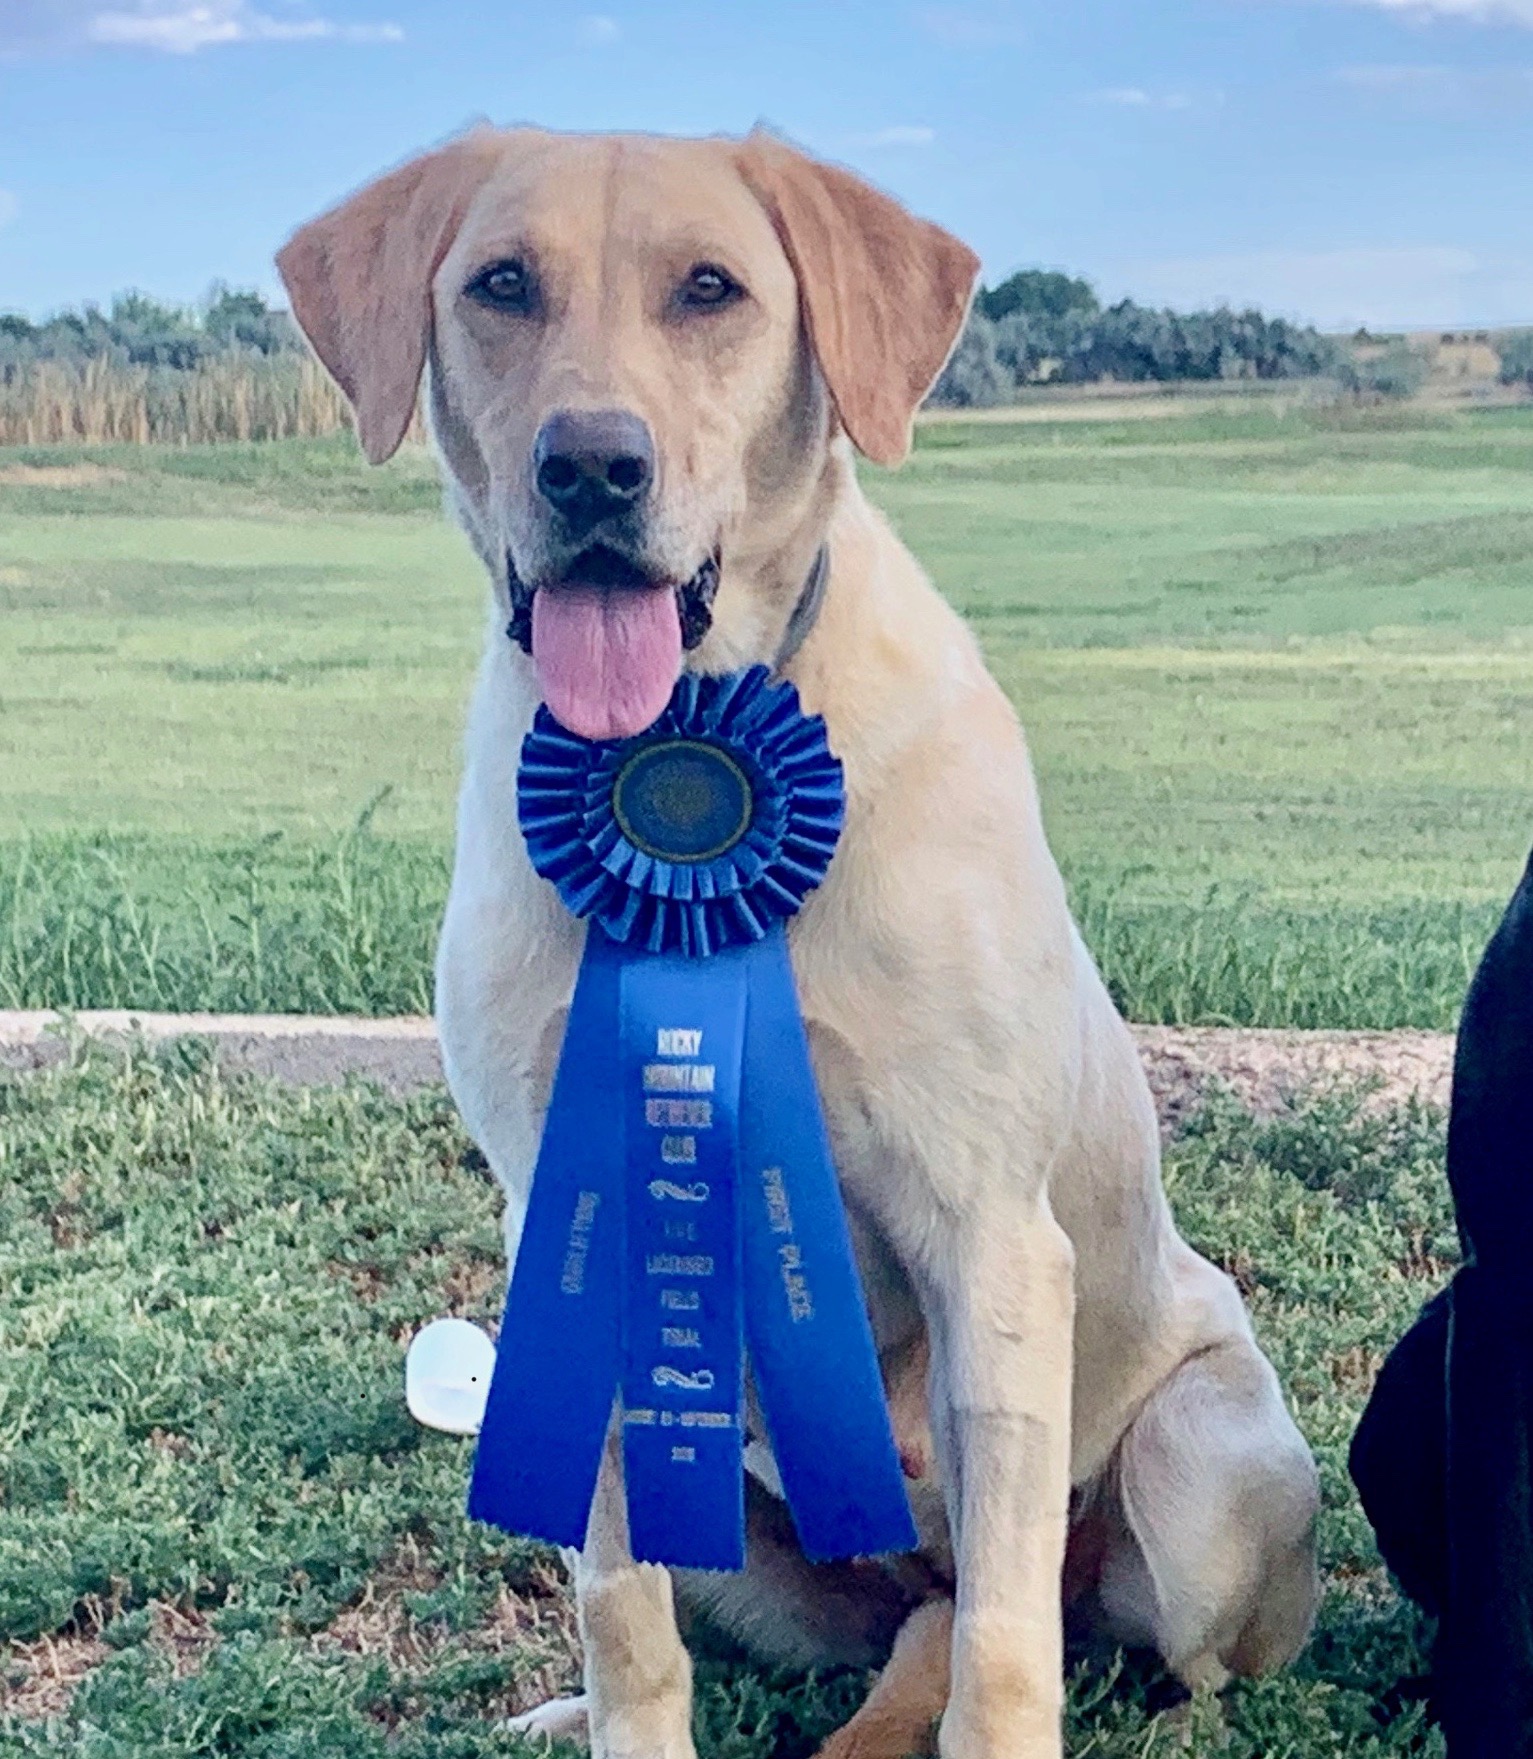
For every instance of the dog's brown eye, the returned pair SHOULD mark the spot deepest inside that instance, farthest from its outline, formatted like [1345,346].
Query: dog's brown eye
[506,286]
[706,285]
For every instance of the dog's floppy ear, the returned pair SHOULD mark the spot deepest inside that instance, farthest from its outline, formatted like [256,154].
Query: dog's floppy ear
[360,277]
[884,294]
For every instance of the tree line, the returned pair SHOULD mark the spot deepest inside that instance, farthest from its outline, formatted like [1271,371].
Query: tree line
[1037,326]
[143,371]
[1041,326]
[139,331]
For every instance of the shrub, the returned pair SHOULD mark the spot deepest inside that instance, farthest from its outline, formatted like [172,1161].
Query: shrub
[1398,372]
[1517,359]
[974,377]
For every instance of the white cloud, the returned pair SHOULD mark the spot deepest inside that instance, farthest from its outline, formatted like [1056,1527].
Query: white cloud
[598,30]
[901,135]
[9,207]
[177,27]
[1477,11]
[1386,287]
[1137,98]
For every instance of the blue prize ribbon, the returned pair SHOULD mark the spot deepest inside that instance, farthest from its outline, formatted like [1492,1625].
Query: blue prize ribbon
[684,1199]
[556,1370]
[811,1347]
[683,1033]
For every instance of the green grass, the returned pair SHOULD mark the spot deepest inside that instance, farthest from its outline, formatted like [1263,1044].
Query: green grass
[348,925]
[343,926]
[1276,672]
[215,1511]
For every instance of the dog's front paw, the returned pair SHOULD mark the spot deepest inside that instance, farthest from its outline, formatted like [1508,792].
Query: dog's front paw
[654,1729]
[560,1719]
[965,1736]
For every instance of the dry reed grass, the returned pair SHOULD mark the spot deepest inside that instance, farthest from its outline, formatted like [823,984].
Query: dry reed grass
[243,397]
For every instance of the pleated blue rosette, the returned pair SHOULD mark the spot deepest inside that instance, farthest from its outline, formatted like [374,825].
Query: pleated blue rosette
[684,1212]
[606,869]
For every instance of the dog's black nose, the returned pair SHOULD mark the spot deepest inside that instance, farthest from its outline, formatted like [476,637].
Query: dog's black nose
[591,464]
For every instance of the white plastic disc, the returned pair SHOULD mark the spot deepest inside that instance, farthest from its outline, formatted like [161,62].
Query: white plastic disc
[447,1375]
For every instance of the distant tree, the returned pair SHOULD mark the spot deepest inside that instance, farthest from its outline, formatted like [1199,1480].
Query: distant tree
[974,377]
[16,334]
[239,319]
[1025,345]
[152,333]
[1517,359]
[1132,342]
[1398,372]
[141,331]
[22,342]
[1037,293]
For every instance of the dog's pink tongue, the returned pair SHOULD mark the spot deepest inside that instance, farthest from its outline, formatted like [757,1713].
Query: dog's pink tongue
[607,657]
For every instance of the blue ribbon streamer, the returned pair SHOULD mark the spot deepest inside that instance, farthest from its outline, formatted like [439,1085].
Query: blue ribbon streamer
[684,1202]
[811,1346]
[551,1396]
[683,1032]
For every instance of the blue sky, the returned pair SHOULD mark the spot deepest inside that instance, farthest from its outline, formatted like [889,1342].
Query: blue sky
[1343,161]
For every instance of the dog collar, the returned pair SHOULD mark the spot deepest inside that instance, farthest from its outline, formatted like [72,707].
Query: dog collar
[806,613]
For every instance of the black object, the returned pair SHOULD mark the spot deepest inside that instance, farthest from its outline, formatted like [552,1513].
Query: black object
[1443,1457]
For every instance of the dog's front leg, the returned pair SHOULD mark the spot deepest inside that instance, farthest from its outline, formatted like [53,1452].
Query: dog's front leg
[999,1296]
[638,1676]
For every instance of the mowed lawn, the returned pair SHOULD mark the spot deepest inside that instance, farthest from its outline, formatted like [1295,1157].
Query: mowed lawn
[1276,670]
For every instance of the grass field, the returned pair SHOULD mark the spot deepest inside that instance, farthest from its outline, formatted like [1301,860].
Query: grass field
[1276,668]
[221,1537]
[1278,675]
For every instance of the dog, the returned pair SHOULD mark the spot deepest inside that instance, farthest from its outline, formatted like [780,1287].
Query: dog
[1441,1456]
[648,364]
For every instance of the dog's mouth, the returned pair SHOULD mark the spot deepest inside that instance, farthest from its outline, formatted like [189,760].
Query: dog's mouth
[607,638]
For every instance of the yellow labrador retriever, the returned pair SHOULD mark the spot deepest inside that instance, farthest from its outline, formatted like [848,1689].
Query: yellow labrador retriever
[648,363]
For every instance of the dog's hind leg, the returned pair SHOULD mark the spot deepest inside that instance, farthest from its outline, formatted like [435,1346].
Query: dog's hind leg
[792,1613]
[899,1716]
[1213,1562]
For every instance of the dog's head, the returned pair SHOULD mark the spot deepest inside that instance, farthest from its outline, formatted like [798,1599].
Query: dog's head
[639,352]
